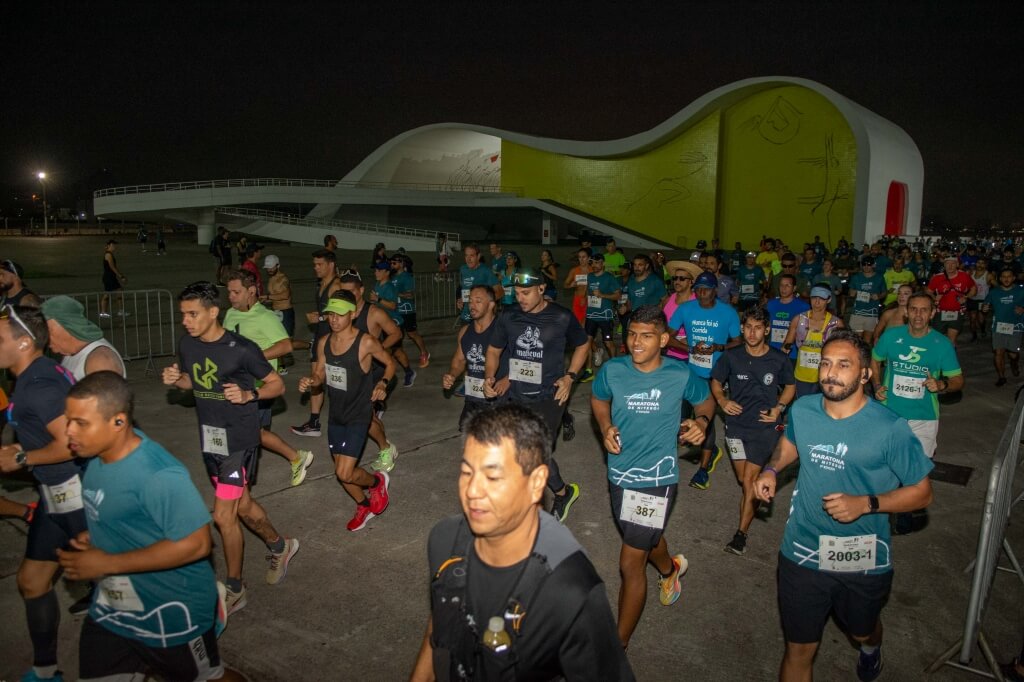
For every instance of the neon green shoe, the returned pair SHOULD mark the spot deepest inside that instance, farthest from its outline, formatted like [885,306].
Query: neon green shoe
[385,459]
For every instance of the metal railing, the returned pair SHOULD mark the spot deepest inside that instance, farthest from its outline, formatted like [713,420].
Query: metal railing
[454,239]
[435,295]
[141,324]
[302,182]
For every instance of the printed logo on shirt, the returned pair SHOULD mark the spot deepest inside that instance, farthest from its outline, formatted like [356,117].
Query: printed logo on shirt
[475,356]
[768,379]
[644,402]
[208,377]
[529,343]
[914,355]
[829,457]
[92,499]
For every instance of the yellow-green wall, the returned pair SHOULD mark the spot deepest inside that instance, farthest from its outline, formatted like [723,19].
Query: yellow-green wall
[780,162]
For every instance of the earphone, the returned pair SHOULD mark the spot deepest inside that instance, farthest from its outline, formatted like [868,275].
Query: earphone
[119,422]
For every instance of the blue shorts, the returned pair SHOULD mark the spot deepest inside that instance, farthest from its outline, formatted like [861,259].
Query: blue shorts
[347,440]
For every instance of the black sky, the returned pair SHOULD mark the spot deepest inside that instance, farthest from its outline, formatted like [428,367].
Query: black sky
[187,91]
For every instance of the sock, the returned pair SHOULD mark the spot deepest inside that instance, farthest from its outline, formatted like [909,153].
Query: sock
[233,584]
[277,546]
[314,418]
[45,672]
[868,650]
[43,616]
[670,572]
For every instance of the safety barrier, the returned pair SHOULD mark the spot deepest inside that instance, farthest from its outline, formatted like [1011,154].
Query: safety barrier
[435,295]
[141,324]
[992,543]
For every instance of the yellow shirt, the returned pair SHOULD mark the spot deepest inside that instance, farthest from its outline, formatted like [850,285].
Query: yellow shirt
[764,259]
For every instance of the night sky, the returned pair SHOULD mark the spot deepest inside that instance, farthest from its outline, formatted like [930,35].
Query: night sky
[188,91]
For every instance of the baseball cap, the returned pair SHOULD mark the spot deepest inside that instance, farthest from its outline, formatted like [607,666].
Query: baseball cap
[705,281]
[867,261]
[271,261]
[13,268]
[382,265]
[751,254]
[70,314]
[821,292]
[338,306]
[952,258]
[597,256]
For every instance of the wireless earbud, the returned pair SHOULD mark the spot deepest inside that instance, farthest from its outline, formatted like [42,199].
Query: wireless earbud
[119,422]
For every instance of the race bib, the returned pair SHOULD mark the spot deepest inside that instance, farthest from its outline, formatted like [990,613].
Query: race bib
[736,449]
[337,377]
[581,280]
[215,440]
[1004,327]
[593,301]
[524,371]
[846,555]
[701,360]
[911,388]
[809,358]
[643,509]
[65,497]
[624,298]
[948,315]
[118,593]
[475,387]
[746,288]
[779,334]
[465,295]
[863,296]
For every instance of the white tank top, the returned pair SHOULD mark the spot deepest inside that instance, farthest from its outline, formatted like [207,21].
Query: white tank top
[982,284]
[76,363]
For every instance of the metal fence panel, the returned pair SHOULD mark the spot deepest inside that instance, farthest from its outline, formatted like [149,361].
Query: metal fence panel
[435,295]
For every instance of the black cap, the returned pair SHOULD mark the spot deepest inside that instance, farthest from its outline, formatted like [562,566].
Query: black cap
[13,268]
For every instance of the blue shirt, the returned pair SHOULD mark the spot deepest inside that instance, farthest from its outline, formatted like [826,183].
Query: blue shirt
[405,284]
[810,270]
[781,316]
[712,326]
[134,503]
[645,408]
[606,283]
[869,453]
[469,278]
[650,291]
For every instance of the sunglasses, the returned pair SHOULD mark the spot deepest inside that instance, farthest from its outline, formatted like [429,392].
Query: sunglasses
[8,314]
[353,273]
[682,279]
[525,280]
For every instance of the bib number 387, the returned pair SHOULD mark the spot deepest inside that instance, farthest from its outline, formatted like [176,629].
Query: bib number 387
[644,509]
[847,554]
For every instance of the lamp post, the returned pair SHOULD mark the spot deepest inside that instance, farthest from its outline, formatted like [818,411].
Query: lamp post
[46,219]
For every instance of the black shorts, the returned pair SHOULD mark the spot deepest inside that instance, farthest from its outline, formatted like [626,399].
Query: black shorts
[807,596]
[111,284]
[593,327]
[266,413]
[634,534]
[409,322]
[103,654]
[550,411]
[50,532]
[288,320]
[230,475]
[348,440]
[757,444]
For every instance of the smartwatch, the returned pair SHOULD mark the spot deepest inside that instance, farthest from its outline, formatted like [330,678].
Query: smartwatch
[574,376]
[255,394]
[21,458]
[872,503]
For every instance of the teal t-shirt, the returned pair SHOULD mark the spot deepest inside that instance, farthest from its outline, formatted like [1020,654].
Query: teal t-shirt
[386,291]
[645,408]
[134,503]
[648,291]
[469,278]
[862,289]
[869,453]
[405,284]
[908,361]
[258,324]
[601,308]
[1004,303]
[750,282]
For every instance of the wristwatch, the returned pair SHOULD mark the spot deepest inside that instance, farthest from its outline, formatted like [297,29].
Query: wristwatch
[21,458]
[574,376]
[255,394]
[872,503]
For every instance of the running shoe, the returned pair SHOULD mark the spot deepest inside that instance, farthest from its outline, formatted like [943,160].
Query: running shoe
[424,360]
[1001,381]
[301,466]
[563,503]
[379,494]
[410,377]
[715,456]
[568,427]
[700,480]
[738,544]
[31,676]
[310,428]
[670,587]
[282,371]
[234,601]
[361,518]
[277,564]
[869,667]
[104,315]
[586,376]
[221,619]
[385,459]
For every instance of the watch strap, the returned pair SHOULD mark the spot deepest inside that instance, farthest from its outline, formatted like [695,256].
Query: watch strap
[873,503]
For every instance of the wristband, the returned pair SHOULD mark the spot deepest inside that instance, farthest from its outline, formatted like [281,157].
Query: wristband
[771,469]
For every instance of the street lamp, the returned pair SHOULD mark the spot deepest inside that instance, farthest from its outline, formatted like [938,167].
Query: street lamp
[46,219]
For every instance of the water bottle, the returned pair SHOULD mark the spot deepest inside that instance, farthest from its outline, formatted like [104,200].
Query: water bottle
[495,638]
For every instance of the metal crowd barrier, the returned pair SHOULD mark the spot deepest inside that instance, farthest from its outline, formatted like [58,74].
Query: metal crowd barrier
[435,295]
[141,324]
[992,543]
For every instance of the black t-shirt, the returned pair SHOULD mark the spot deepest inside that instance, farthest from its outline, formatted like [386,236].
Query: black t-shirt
[231,359]
[754,382]
[37,400]
[536,344]
[474,349]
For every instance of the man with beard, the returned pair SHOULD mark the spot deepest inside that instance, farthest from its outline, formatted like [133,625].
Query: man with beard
[470,354]
[12,286]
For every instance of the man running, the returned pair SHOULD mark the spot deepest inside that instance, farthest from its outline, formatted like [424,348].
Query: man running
[248,318]
[471,274]
[636,404]
[470,355]
[221,369]
[603,291]
[783,310]
[327,283]
[279,294]
[535,337]
[385,295]
[1007,301]
[642,288]
[761,387]
[858,462]
[751,280]
[79,340]
[405,285]
[36,412]
[867,289]
[951,288]
[344,363]
[147,545]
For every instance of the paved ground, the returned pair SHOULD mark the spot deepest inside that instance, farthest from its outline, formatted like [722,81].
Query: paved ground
[354,604]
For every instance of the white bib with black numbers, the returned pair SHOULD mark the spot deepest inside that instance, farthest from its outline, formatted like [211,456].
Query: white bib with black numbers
[65,497]
[475,387]
[948,315]
[736,449]
[847,554]
[644,509]
[117,592]
[593,301]
[911,388]
[1004,327]
[215,440]
[336,377]
[524,371]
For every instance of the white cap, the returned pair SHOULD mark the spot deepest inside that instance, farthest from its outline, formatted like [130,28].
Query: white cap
[271,261]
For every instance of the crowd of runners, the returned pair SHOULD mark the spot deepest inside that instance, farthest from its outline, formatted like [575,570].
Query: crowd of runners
[835,359]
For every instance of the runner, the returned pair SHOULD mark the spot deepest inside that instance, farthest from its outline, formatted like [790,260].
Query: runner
[345,359]
[642,288]
[36,412]
[79,340]
[984,280]
[250,319]
[760,382]
[635,402]
[469,357]
[502,556]
[473,272]
[1007,302]
[603,290]
[406,287]
[752,282]
[951,288]
[896,314]
[895,277]
[727,292]
[385,295]
[867,288]
[279,295]
[535,336]
[859,462]
[113,280]
[148,535]
[783,310]
[683,274]
[12,286]
[577,282]
[711,327]
[324,266]
[221,369]
[807,334]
